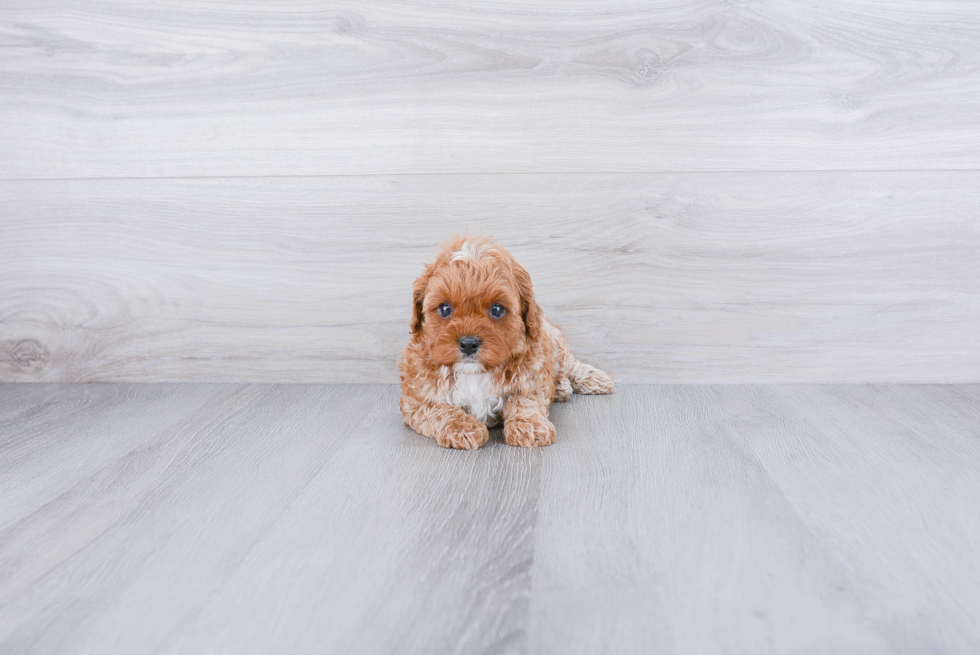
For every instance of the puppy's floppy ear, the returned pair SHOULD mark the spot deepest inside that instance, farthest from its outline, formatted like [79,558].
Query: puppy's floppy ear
[418,295]
[530,311]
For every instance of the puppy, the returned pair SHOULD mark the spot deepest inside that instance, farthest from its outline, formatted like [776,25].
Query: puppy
[481,350]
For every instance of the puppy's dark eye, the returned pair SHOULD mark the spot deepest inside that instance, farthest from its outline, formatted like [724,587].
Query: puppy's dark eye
[445,310]
[497,310]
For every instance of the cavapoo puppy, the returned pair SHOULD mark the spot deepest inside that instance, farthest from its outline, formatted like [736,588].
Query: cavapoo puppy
[481,350]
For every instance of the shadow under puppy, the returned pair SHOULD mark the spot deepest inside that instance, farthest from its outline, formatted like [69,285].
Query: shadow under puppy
[481,350]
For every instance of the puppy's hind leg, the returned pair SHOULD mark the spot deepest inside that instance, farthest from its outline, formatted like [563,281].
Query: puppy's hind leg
[587,379]
[563,389]
[581,377]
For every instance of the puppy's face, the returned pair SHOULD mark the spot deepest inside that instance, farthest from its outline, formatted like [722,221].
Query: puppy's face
[472,305]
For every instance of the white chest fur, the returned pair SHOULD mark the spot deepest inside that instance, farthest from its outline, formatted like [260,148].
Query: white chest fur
[475,391]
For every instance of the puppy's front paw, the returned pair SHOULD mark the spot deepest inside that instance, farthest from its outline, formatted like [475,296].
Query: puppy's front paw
[465,433]
[529,432]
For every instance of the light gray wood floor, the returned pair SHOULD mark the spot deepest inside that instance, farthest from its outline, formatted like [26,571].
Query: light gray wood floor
[188,518]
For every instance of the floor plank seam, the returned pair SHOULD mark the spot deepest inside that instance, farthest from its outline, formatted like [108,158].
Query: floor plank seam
[681,171]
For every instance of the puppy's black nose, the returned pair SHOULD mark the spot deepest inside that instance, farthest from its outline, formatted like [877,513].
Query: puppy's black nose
[469,344]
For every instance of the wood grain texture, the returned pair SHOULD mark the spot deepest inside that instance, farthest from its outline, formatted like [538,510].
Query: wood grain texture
[260,518]
[191,88]
[735,277]
[692,519]
[667,519]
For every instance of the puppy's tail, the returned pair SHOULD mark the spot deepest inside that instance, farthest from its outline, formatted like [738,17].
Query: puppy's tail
[587,379]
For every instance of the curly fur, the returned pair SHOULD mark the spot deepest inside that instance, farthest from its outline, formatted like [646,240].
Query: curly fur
[522,365]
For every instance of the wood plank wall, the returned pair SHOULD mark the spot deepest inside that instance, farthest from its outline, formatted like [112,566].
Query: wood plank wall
[702,191]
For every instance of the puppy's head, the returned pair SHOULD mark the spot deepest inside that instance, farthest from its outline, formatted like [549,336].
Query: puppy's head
[475,304]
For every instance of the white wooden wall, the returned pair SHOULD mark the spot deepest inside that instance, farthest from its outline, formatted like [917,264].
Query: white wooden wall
[702,191]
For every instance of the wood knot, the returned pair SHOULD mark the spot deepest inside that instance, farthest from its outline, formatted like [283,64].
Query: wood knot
[26,354]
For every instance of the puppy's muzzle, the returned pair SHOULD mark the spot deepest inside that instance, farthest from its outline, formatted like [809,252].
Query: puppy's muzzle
[469,344]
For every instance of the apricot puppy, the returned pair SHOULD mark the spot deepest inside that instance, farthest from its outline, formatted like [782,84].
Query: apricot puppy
[481,350]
